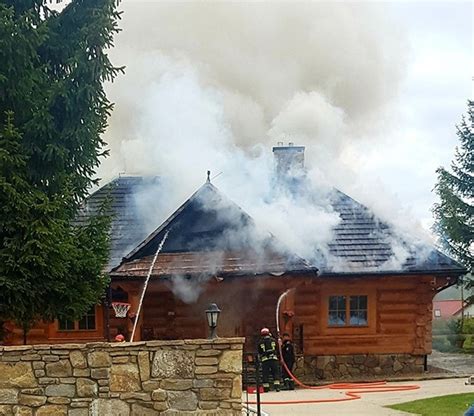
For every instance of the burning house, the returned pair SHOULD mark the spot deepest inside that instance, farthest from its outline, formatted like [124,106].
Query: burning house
[350,310]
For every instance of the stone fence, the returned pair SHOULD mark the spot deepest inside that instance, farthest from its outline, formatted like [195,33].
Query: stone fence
[188,377]
[347,367]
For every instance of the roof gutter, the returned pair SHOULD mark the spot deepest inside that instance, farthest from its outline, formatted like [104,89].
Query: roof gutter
[449,272]
[313,272]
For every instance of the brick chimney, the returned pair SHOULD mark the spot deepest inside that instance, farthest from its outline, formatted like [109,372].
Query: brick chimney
[289,160]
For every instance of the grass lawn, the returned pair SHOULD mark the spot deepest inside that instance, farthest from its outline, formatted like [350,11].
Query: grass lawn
[451,405]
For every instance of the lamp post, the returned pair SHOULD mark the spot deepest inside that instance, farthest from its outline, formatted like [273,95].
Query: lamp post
[212,314]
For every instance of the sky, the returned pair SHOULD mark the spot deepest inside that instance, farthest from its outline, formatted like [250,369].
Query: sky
[422,59]
[433,95]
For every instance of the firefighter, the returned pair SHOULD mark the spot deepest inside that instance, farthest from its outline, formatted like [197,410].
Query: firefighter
[288,356]
[267,351]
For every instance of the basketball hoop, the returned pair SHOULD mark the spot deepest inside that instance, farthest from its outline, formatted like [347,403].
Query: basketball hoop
[120,309]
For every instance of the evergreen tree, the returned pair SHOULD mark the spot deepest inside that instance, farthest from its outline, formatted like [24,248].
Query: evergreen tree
[52,70]
[454,214]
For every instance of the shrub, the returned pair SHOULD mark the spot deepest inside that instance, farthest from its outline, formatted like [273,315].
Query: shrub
[456,340]
[468,345]
[440,327]
[468,327]
[454,326]
[441,343]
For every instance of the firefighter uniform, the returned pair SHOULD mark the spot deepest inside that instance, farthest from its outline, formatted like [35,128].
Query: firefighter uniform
[288,355]
[267,351]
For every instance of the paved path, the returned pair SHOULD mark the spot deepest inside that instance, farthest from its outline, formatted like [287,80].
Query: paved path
[369,405]
[456,363]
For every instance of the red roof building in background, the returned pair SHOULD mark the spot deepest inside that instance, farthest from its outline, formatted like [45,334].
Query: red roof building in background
[446,309]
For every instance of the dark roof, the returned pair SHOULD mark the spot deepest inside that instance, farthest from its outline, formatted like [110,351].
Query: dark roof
[210,234]
[128,228]
[362,244]
[207,221]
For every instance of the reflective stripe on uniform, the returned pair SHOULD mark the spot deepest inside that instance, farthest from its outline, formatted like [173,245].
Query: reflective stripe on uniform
[267,350]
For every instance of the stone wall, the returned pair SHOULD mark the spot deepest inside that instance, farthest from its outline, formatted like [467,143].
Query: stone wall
[337,367]
[189,377]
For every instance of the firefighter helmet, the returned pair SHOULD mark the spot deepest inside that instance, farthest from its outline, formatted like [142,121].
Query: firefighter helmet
[265,331]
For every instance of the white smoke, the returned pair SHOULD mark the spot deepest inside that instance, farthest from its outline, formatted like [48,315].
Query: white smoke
[188,290]
[322,72]
[308,116]
[213,85]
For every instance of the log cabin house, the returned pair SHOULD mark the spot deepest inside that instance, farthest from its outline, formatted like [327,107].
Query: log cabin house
[350,316]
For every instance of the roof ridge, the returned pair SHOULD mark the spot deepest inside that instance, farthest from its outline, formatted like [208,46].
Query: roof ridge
[360,238]
[165,223]
[243,216]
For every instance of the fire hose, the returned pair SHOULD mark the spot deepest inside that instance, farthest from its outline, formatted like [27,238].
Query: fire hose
[352,391]
[145,285]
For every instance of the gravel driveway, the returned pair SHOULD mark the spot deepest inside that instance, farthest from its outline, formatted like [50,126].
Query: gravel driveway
[459,364]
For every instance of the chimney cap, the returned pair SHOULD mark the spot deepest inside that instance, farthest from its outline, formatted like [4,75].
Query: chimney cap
[291,147]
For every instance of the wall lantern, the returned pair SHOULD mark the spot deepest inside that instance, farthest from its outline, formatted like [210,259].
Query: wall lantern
[212,314]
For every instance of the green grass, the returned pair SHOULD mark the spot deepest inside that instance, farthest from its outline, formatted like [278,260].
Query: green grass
[451,405]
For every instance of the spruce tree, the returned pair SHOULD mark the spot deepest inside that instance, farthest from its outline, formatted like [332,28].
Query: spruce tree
[53,112]
[454,214]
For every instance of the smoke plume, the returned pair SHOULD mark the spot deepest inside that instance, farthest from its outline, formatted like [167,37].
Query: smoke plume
[318,72]
[214,85]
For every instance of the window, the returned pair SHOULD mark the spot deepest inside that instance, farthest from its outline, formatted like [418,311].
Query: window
[86,323]
[66,325]
[358,310]
[348,310]
[337,310]
[88,320]
[437,313]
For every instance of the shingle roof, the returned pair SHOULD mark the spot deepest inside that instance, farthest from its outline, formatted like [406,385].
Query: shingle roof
[364,244]
[127,229]
[210,234]
[361,244]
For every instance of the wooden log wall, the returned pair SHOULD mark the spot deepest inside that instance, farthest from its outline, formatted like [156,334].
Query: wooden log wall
[247,305]
[37,335]
[49,333]
[400,313]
